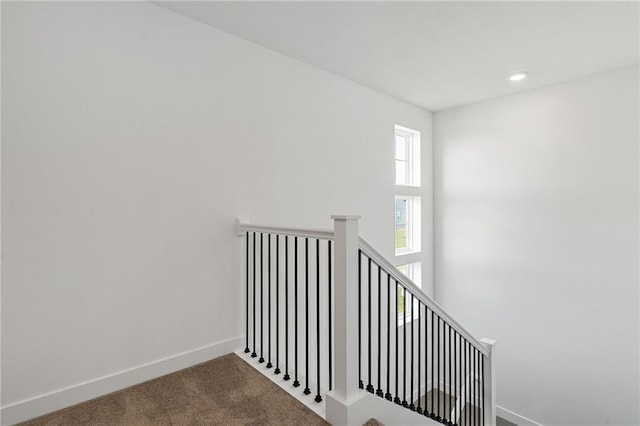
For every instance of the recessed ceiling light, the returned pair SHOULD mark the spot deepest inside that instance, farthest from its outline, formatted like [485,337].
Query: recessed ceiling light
[521,75]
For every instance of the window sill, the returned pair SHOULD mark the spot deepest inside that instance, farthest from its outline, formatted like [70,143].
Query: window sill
[406,252]
[402,320]
[400,185]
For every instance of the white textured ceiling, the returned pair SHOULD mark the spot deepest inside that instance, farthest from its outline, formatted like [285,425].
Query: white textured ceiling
[437,55]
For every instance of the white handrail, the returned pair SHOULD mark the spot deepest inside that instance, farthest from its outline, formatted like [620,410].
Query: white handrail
[305,233]
[417,291]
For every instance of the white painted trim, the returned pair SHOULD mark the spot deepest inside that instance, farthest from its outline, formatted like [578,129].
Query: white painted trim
[489,384]
[71,395]
[309,233]
[345,298]
[515,418]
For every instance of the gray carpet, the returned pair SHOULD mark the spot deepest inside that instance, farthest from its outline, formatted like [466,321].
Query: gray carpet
[223,391]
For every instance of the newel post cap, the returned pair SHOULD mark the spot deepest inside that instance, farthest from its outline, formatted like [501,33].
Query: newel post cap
[488,343]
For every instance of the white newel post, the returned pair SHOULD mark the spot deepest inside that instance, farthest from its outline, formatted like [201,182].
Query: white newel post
[489,384]
[347,243]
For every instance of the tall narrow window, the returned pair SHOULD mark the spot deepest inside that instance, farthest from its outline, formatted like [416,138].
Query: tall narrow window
[407,157]
[407,229]
[402,158]
[413,271]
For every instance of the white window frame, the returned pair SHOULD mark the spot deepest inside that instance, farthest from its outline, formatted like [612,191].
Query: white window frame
[412,156]
[413,225]
[414,273]
[408,186]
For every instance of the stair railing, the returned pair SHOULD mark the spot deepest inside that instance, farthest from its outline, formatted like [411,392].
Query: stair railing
[340,317]
[417,355]
[288,317]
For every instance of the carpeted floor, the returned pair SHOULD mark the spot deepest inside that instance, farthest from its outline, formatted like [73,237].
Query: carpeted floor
[223,391]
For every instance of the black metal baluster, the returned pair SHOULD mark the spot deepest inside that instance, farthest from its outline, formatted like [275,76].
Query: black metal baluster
[482,375]
[254,354]
[473,386]
[450,359]
[404,351]
[454,392]
[397,398]
[469,378]
[465,411]
[277,370]
[439,357]
[419,407]
[480,388]
[369,385]
[456,375]
[433,376]
[472,369]
[445,358]
[318,398]
[388,394]
[469,384]
[426,361]
[360,382]
[286,308]
[475,383]
[330,302]
[307,391]
[261,360]
[412,406]
[445,395]
[464,388]
[443,391]
[269,365]
[296,383]
[462,376]
[246,311]
[379,391]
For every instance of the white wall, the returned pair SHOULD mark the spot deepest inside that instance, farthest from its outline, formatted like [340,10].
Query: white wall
[536,242]
[132,139]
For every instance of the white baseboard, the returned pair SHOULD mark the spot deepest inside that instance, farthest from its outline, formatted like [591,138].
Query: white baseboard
[61,398]
[515,418]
